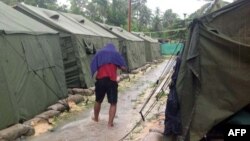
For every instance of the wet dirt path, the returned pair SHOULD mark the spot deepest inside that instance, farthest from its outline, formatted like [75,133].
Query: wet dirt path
[82,128]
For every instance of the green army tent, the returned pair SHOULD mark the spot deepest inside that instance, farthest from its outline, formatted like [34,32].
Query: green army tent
[209,8]
[79,41]
[31,67]
[152,47]
[214,78]
[106,36]
[132,47]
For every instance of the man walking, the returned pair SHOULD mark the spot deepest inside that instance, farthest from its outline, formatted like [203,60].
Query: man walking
[105,63]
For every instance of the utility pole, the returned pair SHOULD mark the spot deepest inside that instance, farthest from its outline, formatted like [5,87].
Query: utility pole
[184,14]
[129,15]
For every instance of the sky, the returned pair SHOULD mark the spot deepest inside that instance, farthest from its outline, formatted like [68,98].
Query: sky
[178,6]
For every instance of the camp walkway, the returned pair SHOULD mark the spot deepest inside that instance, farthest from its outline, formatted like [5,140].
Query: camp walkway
[127,115]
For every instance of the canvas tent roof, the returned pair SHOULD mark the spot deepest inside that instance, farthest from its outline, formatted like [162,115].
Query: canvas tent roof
[213,80]
[57,20]
[16,22]
[86,23]
[152,47]
[121,32]
[215,5]
[79,39]
[208,8]
[145,37]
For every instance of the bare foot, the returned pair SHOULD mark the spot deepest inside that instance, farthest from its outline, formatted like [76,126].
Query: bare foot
[94,119]
[111,125]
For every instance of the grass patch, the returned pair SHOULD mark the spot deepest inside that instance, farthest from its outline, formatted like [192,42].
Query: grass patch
[161,95]
[69,115]
[167,56]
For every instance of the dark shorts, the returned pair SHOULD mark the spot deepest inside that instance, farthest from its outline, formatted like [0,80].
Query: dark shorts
[106,86]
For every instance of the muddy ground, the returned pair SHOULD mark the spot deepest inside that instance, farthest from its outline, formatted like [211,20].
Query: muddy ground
[77,125]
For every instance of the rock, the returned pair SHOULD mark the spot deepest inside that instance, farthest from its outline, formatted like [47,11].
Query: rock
[122,77]
[2,139]
[92,88]
[70,91]
[149,68]
[48,114]
[77,98]
[57,107]
[16,131]
[135,71]
[155,61]
[33,122]
[153,136]
[84,92]
[145,67]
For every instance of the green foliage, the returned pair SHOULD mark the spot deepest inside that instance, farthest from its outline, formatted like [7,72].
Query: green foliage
[77,6]
[114,12]
[169,18]
[157,23]
[117,14]
[141,15]
[160,95]
[97,10]
[63,8]
[10,2]
[49,4]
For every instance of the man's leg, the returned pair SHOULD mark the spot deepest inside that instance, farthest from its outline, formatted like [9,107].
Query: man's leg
[99,96]
[112,94]
[112,111]
[97,109]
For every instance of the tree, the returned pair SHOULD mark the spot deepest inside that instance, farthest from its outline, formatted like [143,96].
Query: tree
[145,18]
[97,10]
[141,14]
[114,12]
[169,18]
[78,6]
[63,8]
[117,14]
[48,4]
[10,2]
[157,22]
